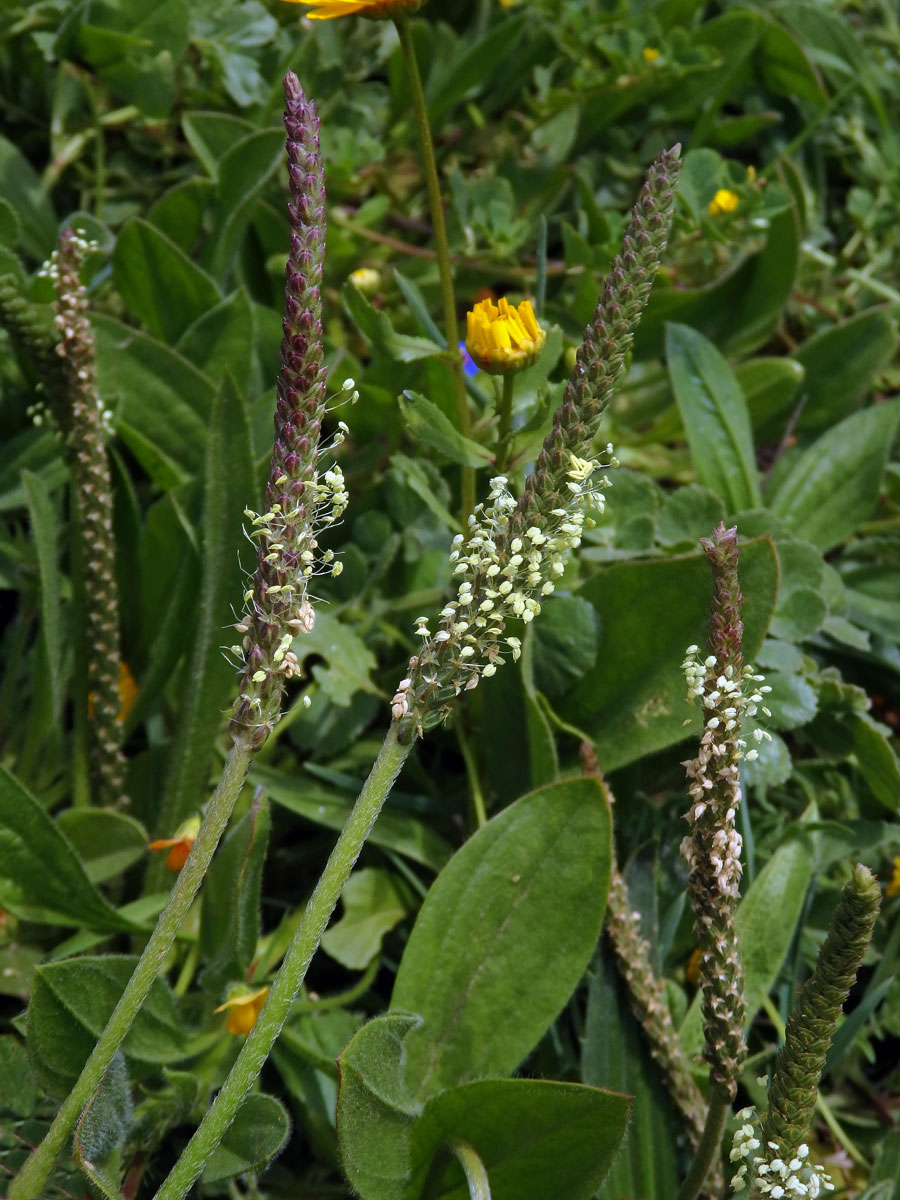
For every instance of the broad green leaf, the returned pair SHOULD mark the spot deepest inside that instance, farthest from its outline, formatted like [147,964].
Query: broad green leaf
[770,386]
[42,878]
[9,225]
[833,485]
[229,924]
[212,134]
[565,643]
[45,534]
[164,288]
[739,310]
[527,889]
[102,1130]
[244,172]
[230,481]
[106,842]
[538,1139]
[220,340]
[843,733]
[162,403]
[688,514]
[715,417]
[543,756]
[780,888]
[21,188]
[348,660]
[615,1055]
[428,425]
[785,68]
[394,830]
[840,361]
[179,212]
[373,903]
[70,1004]
[18,1093]
[454,75]
[375,1112]
[633,701]
[259,1132]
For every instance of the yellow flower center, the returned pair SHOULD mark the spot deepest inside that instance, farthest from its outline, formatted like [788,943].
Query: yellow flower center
[503,338]
[724,201]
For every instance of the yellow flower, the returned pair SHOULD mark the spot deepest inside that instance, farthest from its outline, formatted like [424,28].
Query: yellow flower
[128,690]
[366,279]
[650,53]
[692,970]
[179,846]
[502,338]
[893,888]
[243,1009]
[724,201]
[327,10]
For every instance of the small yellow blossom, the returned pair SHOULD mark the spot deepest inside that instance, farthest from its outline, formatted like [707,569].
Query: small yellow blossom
[724,201]
[327,10]
[243,1008]
[692,970]
[128,690]
[502,338]
[751,174]
[179,846]
[893,888]
[650,53]
[366,279]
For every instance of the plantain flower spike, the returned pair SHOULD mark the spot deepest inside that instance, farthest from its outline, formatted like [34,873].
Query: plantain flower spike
[514,551]
[299,501]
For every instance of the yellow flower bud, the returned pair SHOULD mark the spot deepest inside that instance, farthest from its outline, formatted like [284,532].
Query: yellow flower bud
[502,338]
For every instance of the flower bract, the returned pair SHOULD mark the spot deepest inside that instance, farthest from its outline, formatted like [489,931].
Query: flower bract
[503,338]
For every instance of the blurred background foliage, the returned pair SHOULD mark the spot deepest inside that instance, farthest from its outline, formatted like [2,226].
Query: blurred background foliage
[763,390]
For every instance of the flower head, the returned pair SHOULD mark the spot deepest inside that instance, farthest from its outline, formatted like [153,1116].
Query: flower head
[243,1008]
[650,54]
[179,846]
[327,10]
[503,338]
[724,201]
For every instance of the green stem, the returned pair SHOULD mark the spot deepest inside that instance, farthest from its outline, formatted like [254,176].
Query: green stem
[710,1148]
[29,1182]
[504,433]
[293,970]
[476,1175]
[442,249]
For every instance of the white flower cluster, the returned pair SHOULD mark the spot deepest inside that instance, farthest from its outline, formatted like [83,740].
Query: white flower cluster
[773,1176]
[731,699]
[501,578]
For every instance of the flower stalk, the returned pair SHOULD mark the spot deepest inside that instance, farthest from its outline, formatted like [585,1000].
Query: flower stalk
[441,246]
[84,424]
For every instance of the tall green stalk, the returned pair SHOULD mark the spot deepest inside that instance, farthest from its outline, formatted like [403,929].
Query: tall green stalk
[29,1182]
[504,433]
[293,970]
[442,249]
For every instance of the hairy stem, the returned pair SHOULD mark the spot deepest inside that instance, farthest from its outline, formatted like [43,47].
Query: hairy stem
[708,1152]
[504,433]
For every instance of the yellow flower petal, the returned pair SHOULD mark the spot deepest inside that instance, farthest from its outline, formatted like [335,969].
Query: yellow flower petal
[503,338]
[327,10]
[243,1008]
[724,201]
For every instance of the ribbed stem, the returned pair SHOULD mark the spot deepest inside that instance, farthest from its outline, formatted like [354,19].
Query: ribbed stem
[283,992]
[504,432]
[442,249]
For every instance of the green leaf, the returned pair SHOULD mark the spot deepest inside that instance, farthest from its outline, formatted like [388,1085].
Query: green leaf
[212,134]
[566,641]
[70,1004]
[162,403]
[158,282]
[259,1132]
[102,1130]
[769,386]
[633,701]
[348,660]
[21,188]
[42,878]
[454,75]
[374,903]
[393,830]
[45,533]
[374,1110]
[840,361]
[18,1091]
[230,480]
[615,1055]
[219,341]
[715,417]
[528,888]
[688,514]
[244,172]
[833,485]
[779,888]
[106,842]
[538,1139]
[376,328]
[229,924]
[428,425]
